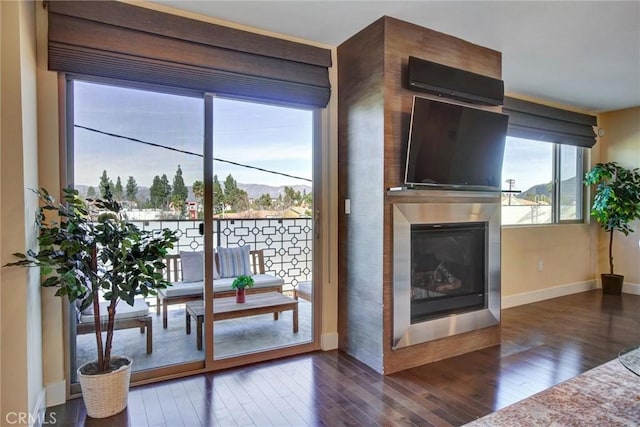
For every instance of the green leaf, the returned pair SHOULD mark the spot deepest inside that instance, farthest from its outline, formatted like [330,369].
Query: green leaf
[617,197]
[51,281]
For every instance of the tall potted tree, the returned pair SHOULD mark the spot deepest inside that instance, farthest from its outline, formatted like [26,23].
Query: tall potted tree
[615,205]
[86,258]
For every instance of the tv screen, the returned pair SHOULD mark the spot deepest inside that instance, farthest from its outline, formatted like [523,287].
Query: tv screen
[455,146]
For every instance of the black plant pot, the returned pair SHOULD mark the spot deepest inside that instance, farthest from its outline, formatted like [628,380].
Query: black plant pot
[612,284]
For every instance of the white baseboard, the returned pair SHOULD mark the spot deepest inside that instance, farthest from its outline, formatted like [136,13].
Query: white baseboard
[329,341]
[631,288]
[56,393]
[548,293]
[36,418]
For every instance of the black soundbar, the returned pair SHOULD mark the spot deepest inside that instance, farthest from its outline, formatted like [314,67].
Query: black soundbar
[431,77]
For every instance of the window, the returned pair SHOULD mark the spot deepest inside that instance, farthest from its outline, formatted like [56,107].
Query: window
[544,163]
[542,182]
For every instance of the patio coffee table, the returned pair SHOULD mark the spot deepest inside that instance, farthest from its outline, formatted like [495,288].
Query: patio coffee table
[227,308]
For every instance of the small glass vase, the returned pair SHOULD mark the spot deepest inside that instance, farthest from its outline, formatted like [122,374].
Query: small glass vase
[240,294]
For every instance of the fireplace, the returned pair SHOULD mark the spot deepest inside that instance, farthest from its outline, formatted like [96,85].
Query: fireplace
[448,274]
[446,264]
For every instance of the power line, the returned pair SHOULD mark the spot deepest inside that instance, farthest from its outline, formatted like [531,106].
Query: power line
[153,144]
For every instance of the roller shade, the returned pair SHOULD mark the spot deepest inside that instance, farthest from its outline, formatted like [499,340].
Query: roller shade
[540,122]
[122,41]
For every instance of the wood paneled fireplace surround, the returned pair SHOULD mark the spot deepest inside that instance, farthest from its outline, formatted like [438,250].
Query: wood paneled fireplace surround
[374,107]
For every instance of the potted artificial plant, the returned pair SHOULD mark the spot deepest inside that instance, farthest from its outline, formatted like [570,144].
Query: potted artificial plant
[84,258]
[239,284]
[615,205]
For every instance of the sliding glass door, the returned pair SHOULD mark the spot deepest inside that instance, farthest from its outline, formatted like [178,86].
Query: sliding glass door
[234,179]
[263,211]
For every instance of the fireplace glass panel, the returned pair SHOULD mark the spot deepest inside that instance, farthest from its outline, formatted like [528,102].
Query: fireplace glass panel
[448,269]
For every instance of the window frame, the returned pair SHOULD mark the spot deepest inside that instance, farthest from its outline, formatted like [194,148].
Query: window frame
[580,196]
[557,178]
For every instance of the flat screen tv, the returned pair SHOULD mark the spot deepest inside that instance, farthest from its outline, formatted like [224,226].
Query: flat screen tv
[455,146]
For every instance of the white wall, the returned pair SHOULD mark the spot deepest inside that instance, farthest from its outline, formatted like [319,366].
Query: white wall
[22,390]
[621,143]
[568,254]
[49,177]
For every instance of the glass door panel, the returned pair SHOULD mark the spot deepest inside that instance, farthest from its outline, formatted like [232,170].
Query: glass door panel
[262,226]
[147,147]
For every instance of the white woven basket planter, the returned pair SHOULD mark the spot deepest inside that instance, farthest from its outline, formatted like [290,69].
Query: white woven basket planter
[105,395]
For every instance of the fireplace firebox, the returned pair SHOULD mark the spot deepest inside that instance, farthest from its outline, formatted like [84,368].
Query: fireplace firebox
[448,274]
[446,264]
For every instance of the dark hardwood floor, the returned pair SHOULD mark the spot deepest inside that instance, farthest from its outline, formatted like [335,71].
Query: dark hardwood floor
[543,344]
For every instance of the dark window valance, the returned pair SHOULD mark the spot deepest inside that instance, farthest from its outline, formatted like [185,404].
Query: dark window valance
[122,41]
[536,121]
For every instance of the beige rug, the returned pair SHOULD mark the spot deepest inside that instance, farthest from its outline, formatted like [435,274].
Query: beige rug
[608,395]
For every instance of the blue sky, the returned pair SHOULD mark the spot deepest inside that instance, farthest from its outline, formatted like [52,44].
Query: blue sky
[531,163]
[266,136]
[528,162]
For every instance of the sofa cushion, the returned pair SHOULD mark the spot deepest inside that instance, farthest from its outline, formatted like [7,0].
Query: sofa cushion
[181,289]
[305,287]
[234,262]
[216,270]
[123,311]
[192,266]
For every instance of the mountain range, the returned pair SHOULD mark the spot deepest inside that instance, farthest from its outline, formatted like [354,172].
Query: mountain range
[568,187]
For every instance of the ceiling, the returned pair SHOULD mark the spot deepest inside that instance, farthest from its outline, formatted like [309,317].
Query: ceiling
[581,54]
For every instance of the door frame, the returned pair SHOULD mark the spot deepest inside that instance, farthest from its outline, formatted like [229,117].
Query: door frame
[208,364]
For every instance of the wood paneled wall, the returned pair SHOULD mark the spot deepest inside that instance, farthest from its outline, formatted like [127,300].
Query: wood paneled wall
[361,179]
[374,105]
